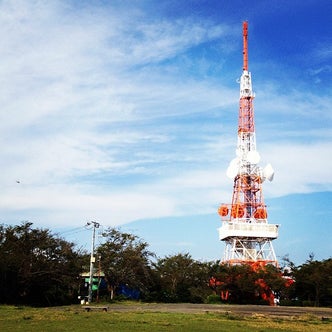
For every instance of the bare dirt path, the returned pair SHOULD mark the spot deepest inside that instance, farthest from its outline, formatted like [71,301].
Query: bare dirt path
[226,309]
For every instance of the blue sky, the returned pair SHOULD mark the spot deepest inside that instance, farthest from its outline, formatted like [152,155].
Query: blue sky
[125,113]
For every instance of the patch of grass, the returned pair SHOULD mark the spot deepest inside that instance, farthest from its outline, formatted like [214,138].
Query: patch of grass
[74,319]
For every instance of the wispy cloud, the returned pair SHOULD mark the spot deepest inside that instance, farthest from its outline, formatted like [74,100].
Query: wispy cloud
[103,116]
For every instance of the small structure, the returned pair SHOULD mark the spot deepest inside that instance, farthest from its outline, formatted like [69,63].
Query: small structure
[89,308]
[99,286]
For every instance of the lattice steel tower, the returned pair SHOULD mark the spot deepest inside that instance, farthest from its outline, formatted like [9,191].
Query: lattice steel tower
[245,229]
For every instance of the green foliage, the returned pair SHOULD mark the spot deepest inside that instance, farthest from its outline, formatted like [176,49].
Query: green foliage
[36,267]
[213,299]
[182,279]
[313,284]
[125,260]
[246,284]
[39,268]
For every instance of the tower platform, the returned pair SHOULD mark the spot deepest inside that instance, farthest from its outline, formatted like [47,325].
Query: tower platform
[244,229]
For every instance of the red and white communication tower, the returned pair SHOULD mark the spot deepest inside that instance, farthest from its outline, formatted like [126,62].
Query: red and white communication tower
[245,229]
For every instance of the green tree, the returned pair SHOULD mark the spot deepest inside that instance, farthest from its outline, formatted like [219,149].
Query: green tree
[36,267]
[183,279]
[313,284]
[125,260]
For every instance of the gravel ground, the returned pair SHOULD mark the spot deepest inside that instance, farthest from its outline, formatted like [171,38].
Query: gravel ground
[230,309]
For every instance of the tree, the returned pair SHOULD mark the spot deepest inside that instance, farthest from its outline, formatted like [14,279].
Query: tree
[313,284]
[244,283]
[125,260]
[36,267]
[182,279]
[235,283]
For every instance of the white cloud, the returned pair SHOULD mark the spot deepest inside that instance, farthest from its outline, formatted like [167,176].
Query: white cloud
[300,168]
[71,206]
[89,94]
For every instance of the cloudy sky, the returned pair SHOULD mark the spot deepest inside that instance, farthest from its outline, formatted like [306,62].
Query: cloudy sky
[125,112]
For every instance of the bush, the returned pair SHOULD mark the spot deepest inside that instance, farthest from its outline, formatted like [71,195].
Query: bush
[291,303]
[213,299]
[308,303]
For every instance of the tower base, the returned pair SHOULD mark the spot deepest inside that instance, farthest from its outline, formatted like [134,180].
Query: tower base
[248,251]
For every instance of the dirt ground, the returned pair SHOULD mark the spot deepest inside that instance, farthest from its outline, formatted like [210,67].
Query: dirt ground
[230,309]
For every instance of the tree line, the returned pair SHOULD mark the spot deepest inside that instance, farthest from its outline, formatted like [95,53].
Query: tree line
[40,268]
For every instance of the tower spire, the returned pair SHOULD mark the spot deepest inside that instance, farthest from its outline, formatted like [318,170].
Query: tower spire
[245,45]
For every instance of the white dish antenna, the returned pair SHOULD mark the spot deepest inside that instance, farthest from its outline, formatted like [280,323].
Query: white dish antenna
[233,168]
[268,172]
[253,157]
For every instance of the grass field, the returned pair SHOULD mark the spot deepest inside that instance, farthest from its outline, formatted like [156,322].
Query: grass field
[74,319]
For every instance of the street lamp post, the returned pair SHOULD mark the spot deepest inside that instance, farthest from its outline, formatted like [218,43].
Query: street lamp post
[92,257]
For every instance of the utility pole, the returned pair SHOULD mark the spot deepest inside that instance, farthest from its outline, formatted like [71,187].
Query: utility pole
[92,257]
[99,267]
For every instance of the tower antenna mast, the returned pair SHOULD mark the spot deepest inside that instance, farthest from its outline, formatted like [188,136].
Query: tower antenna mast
[245,46]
